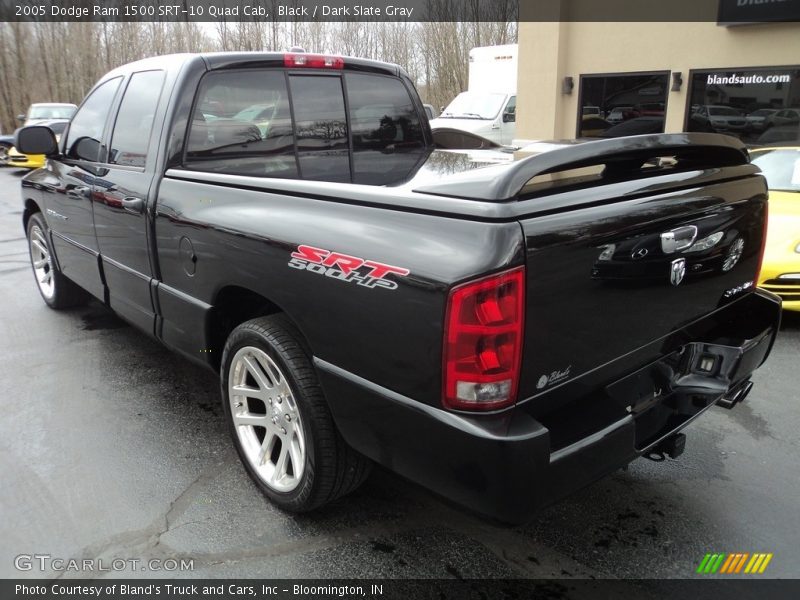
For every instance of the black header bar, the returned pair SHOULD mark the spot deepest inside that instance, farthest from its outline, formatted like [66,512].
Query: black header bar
[720,11]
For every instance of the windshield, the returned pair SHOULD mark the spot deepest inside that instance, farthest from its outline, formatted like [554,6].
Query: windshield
[473,105]
[780,167]
[722,111]
[51,112]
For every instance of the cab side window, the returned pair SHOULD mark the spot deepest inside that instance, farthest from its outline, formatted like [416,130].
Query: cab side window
[242,125]
[135,119]
[84,139]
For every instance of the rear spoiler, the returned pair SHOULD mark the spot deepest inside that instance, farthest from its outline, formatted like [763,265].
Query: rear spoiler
[620,156]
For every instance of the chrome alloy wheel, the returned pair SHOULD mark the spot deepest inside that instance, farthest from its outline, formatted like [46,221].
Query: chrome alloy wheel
[266,419]
[42,262]
[733,255]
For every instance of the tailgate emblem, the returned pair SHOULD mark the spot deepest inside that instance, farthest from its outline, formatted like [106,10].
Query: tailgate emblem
[677,271]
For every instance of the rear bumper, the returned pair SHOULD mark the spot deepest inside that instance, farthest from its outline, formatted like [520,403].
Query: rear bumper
[507,465]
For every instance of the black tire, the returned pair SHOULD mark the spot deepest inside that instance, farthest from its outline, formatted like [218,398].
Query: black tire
[331,468]
[65,293]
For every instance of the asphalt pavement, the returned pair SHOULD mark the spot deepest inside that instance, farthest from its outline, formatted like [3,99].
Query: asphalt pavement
[113,447]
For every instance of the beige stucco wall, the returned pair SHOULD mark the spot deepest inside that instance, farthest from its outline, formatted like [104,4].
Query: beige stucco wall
[551,51]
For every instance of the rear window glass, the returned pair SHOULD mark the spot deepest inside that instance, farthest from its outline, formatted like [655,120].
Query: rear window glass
[339,127]
[242,125]
[321,127]
[383,121]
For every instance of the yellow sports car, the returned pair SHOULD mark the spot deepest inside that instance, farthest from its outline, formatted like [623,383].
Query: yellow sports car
[780,272]
[24,161]
[34,161]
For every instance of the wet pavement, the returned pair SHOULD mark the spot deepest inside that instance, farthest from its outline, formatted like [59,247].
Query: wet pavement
[113,447]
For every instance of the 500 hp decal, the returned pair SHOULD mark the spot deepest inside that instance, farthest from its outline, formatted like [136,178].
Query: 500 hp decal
[351,269]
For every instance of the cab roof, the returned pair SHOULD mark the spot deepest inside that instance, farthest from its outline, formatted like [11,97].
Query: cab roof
[232,60]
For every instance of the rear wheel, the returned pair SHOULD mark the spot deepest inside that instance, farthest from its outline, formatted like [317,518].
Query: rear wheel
[56,290]
[279,419]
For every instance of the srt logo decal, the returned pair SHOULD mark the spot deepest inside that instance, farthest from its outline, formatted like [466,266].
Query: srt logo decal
[347,268]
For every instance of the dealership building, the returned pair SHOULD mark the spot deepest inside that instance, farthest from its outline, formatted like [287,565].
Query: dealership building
[581,78]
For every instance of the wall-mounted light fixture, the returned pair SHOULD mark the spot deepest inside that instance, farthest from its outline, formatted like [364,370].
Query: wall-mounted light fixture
[677,81]
[567,85]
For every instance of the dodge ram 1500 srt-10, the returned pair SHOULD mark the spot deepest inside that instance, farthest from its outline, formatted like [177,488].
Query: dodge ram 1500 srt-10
[501,334]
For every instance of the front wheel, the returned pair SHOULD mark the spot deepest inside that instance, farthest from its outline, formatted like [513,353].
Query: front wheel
[56,290]
[279,419]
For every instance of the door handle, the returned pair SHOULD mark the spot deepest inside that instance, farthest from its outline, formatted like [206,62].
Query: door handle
[133,204]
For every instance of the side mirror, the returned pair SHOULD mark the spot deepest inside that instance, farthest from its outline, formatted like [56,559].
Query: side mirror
[36,139]
[86,148]
[509,117]
[21,118]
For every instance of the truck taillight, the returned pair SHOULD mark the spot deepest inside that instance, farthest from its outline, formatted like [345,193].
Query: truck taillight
[483,342]
[312,61]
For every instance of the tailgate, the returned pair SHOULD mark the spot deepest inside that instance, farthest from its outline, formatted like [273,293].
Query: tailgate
[620,260]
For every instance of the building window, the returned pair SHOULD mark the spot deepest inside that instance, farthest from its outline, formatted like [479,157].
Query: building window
[759,106]
[622,104]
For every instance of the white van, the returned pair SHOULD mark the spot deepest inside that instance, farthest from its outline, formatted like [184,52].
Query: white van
[488,107]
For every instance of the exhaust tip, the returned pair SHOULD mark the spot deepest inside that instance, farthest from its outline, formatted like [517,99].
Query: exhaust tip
[736,395]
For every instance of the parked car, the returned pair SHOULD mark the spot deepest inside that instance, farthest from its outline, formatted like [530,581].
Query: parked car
[650,109]
[787,116]
[34,161]
[45,111]
[260,115]
[721,119]
[364,297]
[757,120]
[618,114]
[780,272]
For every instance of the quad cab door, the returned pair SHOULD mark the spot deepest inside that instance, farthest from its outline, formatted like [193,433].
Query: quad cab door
[70,182]
[121,195]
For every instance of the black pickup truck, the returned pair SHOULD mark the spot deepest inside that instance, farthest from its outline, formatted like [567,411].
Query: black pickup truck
[502,333]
